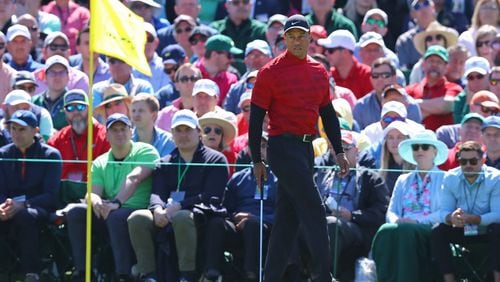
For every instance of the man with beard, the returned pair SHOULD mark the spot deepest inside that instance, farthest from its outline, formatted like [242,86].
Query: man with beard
[71,140]
[435,94]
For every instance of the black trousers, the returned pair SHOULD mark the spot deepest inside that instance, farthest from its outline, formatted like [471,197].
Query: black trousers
[298,204]
[442,235]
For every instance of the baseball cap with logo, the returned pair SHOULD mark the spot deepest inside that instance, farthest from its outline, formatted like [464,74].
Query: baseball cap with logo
[185,117]
[296,21]
[56,59]
[117,117]
[371,37]
[491,121]
[394,106]
[206,86]
[18,30]
[220,42]
[24,118]
[173,54]
[477,64]
[53,36]
[339,38]
[436,50]
[259,45]
[76,96]
[16,97]
[277,18]
[23,77]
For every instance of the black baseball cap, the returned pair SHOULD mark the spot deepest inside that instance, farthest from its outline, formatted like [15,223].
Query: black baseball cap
[24,118]
[296,21]
[117,117]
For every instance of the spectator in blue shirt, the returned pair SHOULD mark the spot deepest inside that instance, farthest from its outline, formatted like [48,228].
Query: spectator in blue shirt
[470,209]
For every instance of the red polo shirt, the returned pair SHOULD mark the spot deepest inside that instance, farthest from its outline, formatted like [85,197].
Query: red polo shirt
[223,79]
[292,90]
[358,79]
[442,88]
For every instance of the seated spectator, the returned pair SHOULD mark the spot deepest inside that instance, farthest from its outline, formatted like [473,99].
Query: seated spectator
[367,109]
[323,13]
[485,35]
[184,80]
[28,190]
[243,117]
[174,197]
[19,47]
[465,218]
[25,80]
[355,10]
[455,68]
[144,111]
[280,45]
[316,32]
[413,209]
[240,232]
[218,133]
[173,56]
[7,73]
[375,20]
[237,90]
[356,207]
[275,25]
[205,97]
[114,100]
[197,40]
[52,99]
[494,78]
[21,100]
[491,139]
[71,140]
[476,72]
[121,184]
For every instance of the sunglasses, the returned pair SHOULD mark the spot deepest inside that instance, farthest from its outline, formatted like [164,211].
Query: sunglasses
[171,70]
[75,107]
[333,50]
[372,21]
[389,119]
[113,61]
[249,85]
[474,77]
[420,6]
[150,39]
[113,104]
[195,40]
[209,129]
[237,2]
[53,73]
[186,78]
[473,161]
[416,147]
[186,30]
[33,28]
[494,81]
[437,37]
[55,47]
[381,74]
[480,44]
[246,108]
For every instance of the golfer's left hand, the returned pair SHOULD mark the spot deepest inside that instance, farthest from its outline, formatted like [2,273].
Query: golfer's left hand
[343,164]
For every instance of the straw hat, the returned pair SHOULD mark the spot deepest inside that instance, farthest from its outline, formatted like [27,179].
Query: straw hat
[218,119]
[113,92]
[433,29]
[423,137]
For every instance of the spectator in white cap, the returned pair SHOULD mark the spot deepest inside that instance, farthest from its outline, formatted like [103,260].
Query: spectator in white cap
[147,9]
[346,70]
[56,78]
[205,95]
[476,72]
[57,43]
[375,20]
[19,47]
[31,23]
[242,119]
[275,24]
[21,100]
[6,72]
[356,11]
[158,77]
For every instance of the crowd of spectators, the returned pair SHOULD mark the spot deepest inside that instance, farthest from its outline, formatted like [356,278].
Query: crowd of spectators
[415,85]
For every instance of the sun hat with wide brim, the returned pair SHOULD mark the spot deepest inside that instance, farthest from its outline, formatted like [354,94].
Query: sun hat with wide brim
[435,28]
[113,92]
[423,137]
[218,119]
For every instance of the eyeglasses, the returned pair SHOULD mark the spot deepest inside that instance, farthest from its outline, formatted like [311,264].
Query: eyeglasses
[113,61]
[209,129]
[422,5]
[372,21]
[249,85]
[113,104]
[389,119]
[487,110]
[489,7]
[246,108]
[186,30]
[55,47]
[333,50]
[237,2]
[480,44]
[437,37]
[376,75]
[416,147]
[473,161]
[186,78]
[54,73]
[2,45]
[347,147]
[75,107]
[195,40]
[474,77]
[494,81]
[29,89]
[150,39]
[170,70]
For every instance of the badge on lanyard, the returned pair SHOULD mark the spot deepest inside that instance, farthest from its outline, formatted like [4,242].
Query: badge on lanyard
[470,230]
[177,196]
[265,192]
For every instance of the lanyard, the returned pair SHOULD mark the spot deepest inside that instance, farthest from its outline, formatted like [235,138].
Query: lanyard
[180,176]
[342,182]
[73,146]
[466,195]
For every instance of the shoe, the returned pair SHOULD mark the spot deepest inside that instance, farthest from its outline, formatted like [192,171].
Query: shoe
[31,277]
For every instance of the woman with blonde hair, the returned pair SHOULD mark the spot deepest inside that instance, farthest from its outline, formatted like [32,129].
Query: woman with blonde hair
[486,12]
[483,43]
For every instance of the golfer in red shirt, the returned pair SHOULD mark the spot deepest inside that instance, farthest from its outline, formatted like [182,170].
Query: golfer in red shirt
[293,89]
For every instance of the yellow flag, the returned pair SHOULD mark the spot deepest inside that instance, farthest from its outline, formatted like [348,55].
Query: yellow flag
[118,32]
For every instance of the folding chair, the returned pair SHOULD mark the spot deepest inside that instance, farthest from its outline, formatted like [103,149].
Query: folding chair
[471,262]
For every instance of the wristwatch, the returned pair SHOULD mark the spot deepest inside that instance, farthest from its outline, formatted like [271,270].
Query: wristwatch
[116,201]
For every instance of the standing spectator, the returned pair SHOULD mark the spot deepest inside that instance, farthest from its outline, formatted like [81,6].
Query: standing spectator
[182,29]
[28,190]
[275,25]
[355,10]
[494,79]
[197,39]
[466,218]
[73,18]
[346,70]
[491,139]
[325,15]
[434,93]
[19,47]
[146,9]
[317,32]
[455,68]
[47,22]
[484,37]
[6,72]
[36,44]
[173,56]
[375,20]
[114,100]
[25,80]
